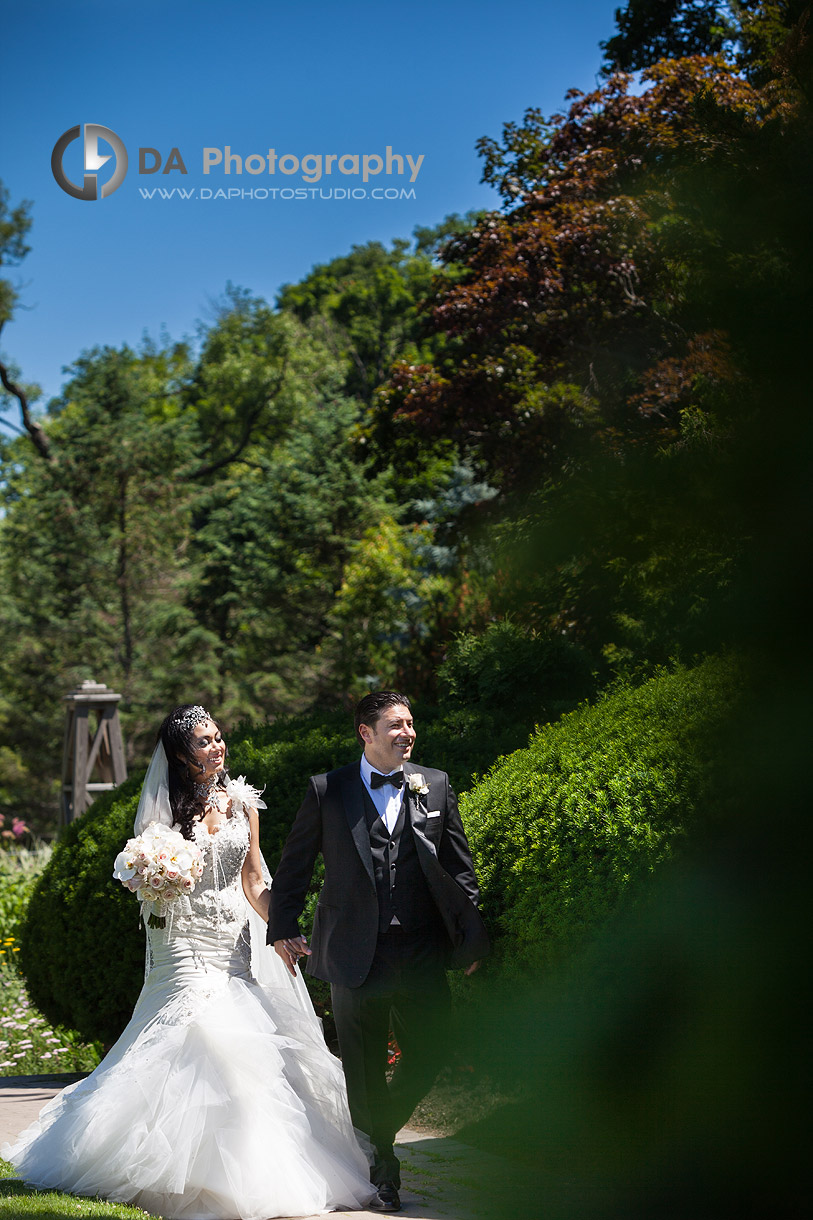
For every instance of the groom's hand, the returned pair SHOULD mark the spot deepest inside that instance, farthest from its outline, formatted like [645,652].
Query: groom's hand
[471,969]
[291,949]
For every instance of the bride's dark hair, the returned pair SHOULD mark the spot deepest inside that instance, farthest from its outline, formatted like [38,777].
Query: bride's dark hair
[186,799]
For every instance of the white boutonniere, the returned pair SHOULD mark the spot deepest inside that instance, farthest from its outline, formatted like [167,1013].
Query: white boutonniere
[417,783]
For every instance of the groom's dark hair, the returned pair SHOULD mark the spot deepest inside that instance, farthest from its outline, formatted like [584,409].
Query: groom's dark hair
[369,709]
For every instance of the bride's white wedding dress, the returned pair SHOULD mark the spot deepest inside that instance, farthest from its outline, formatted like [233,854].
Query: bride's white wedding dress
[220,1101]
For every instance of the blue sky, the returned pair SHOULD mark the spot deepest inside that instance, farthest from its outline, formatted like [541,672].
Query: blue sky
[304,79]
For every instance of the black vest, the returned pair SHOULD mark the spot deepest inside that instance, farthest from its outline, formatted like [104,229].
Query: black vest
[399,881]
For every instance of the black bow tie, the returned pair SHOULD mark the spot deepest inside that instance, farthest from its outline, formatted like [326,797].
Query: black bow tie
[378,781]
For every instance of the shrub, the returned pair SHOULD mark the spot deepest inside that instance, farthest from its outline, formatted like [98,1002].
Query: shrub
[19,869]
[495,688]
[562,830]
[507,671]
[280,758]
[82,948]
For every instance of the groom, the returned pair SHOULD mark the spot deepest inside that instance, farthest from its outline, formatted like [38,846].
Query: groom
[397,908]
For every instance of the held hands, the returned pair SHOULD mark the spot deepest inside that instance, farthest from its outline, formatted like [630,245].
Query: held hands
[291,949]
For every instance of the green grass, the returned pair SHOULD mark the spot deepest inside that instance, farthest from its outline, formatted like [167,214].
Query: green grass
[19,1202]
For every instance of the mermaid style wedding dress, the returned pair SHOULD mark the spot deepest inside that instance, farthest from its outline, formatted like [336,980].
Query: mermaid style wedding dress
[220,1100]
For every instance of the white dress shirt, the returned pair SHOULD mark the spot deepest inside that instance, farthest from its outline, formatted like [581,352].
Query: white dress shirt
[387,799]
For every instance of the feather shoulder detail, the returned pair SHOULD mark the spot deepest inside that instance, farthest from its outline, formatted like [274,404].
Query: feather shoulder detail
[244,794]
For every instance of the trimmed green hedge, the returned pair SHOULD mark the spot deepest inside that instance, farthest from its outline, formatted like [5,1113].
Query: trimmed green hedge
[562,830]
[280,757]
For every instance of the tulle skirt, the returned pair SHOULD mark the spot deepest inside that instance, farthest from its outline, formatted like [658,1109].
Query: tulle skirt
[220,1101]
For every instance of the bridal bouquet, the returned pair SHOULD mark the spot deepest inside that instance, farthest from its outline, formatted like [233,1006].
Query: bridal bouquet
[158,867]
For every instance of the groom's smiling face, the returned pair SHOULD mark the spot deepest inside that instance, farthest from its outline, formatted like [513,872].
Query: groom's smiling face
[388,743]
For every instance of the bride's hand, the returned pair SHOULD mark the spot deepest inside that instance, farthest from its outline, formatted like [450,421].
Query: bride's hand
[291,949]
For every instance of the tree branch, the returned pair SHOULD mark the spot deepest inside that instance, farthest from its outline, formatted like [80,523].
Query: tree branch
[34,430]
[8,424]
[203,472]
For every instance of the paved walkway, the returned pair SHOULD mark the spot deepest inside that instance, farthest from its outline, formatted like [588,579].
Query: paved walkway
[443,1179]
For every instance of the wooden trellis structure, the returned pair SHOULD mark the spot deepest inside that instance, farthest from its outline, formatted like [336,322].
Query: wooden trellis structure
[93,742]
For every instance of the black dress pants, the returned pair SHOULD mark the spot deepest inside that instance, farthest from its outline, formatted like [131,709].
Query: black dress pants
[406,990]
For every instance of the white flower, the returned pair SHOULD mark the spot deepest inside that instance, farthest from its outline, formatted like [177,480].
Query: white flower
[124,867]
[417,783]
[159,865]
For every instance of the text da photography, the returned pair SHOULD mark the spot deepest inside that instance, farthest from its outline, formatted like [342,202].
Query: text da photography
[311,167]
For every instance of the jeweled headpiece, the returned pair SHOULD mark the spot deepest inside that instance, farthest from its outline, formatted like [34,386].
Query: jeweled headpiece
[192,717]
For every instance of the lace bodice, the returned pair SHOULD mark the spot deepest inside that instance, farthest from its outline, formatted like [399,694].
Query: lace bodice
[217,902]
[217,905]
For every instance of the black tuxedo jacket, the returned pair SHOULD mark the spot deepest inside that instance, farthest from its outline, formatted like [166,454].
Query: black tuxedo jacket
[331,820]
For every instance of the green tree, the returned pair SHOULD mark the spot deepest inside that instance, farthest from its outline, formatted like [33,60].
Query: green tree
[570,302]
[649,30]
[91,551]
[752,32]
[410,583]
[269,547]
[14,226]
[591,362]
[367,302]
[255,370]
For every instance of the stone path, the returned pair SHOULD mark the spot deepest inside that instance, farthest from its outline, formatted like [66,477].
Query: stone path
[443,1179]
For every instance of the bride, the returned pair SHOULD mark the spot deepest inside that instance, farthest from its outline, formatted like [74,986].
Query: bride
[220,1100]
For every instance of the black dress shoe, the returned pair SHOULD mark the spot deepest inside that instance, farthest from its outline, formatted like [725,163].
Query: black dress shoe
[388,1199]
